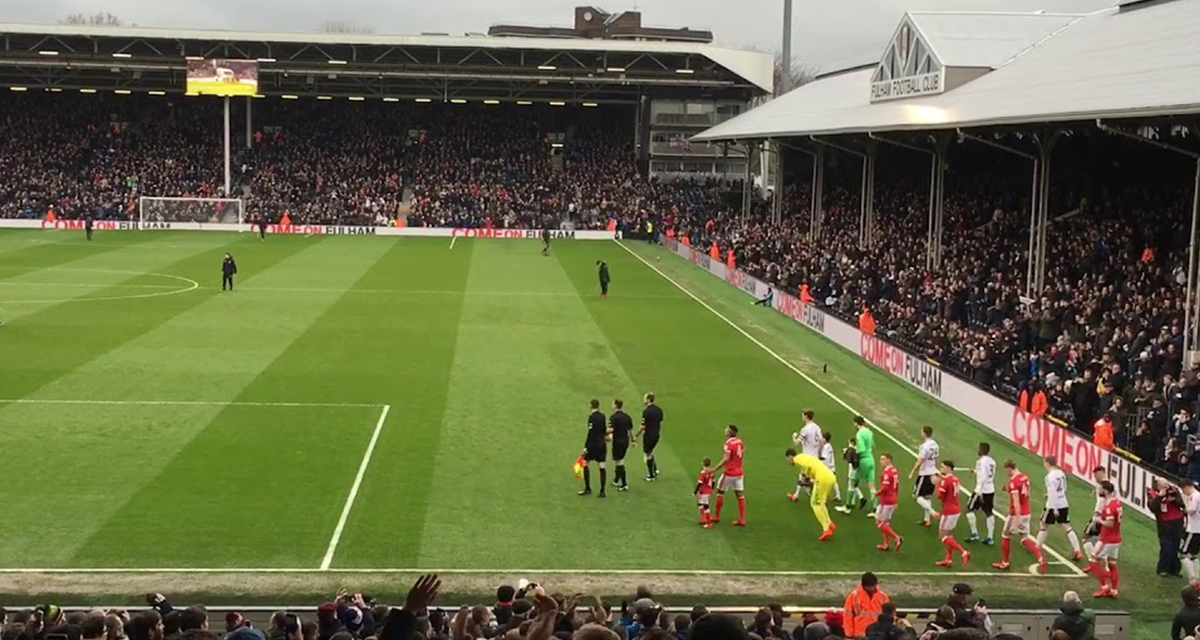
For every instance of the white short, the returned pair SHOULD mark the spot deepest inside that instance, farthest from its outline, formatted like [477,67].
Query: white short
[1017,524]
[731,483]
[948,522]
[884,513]
[703,498]
[1107,550]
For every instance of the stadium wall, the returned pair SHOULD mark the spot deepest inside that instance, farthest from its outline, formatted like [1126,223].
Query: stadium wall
[1036,434]
[307,229]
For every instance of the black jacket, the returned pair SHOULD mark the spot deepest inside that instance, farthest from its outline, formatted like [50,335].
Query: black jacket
[604,272]
[1185,622]
[399,625]
[885,629]
[1078,624]
[228,266]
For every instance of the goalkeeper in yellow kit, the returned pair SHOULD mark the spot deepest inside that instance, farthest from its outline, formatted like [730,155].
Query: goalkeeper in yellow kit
[823,481]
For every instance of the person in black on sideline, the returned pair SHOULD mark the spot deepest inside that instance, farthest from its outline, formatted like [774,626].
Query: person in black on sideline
[87,227]
[595,449]
[620,427]
[228,270]
[545,240]
[604,279]
[652,418]
[262,228]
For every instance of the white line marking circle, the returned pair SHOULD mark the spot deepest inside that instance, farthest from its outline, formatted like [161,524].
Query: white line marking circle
[190,285]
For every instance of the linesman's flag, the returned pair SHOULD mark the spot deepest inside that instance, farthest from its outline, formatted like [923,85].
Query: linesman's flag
[579,464]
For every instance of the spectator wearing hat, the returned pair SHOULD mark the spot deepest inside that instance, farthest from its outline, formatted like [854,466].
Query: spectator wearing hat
[967,616]
[328,623]
[717,626]
[1077,622]
[863,606]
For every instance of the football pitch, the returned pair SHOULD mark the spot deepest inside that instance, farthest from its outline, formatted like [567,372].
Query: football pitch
[386,405]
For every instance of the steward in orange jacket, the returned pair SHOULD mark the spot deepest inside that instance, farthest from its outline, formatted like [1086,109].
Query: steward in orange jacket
[805,294]
[863,606]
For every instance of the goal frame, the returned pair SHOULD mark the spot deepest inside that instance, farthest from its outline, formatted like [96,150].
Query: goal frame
[143,200]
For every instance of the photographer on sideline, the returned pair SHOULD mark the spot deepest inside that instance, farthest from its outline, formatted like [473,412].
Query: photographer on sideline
[1167,505]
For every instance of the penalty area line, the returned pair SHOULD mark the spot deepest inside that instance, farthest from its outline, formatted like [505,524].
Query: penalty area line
[536,572]
[362,471]
[1060,559]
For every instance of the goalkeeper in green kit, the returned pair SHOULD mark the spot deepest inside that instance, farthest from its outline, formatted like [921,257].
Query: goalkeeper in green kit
[865,444]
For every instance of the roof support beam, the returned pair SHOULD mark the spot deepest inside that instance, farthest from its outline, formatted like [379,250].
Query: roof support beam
[866,219]
[1191,310]
[937,171]
[1035,199]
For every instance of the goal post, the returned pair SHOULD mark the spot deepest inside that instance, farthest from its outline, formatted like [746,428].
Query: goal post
[211,210]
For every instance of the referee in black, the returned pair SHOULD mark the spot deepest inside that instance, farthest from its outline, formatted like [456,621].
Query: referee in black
[595,449]
[88,223]
[652,419]
[228,270]
[620,427]
[545,240]
[604,279]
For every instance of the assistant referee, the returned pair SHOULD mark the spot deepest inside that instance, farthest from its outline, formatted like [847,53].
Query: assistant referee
[652,419]
[595,449]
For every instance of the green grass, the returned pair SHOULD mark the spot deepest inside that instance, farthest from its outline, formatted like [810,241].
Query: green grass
[487,354]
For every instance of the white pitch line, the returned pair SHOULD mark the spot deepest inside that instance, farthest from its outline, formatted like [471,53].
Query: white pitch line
[106,285]
[452,239]
[534,572]
[444,292]
[198,403]
[362,471]
[1061,559]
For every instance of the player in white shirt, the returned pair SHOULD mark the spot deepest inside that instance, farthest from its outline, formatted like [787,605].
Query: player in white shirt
[1091,535]
[925,470]
[983,499]
[1057,510]
[1191,540]
[809,440]
[828,457]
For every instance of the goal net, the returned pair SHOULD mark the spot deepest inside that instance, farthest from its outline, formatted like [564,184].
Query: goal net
[228,210]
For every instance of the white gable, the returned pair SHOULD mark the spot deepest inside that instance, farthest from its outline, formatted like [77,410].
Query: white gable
[909,67]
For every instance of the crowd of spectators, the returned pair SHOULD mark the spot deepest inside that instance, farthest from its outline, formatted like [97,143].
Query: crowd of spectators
[324,162]
[528,611]
[1103,341]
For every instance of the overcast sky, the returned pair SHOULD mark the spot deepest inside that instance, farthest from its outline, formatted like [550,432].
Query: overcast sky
[829,33]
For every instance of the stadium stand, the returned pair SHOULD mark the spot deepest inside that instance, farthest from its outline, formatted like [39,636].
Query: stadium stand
[1106,334]
[319,163]
[1089,326]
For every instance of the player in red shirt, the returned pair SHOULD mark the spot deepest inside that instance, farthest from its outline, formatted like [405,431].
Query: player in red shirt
[1104,554]
[704,489]
[731,478]
[947,492]
[1017,522]
[887,496]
